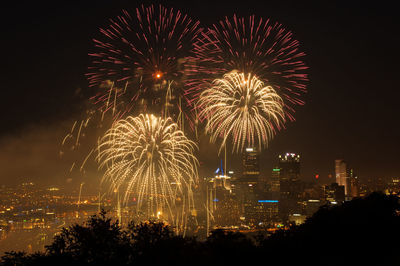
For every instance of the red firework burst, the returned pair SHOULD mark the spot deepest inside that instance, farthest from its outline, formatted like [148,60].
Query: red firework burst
[251,45]
[143,56]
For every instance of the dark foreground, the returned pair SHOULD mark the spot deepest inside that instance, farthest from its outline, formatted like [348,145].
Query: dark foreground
[360,232]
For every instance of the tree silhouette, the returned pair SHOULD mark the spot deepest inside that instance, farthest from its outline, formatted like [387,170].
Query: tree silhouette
[154,243]
[100,240]
[360,232]
[229,248]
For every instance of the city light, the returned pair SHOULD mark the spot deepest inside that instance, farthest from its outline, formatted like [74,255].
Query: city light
[172,127]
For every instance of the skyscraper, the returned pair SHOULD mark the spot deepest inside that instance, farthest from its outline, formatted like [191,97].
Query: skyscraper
[345,177]
[248,193]
[275,180]
[341,175]
[334,193]
[289,165]
[221,200]
[251,165]
[354,184]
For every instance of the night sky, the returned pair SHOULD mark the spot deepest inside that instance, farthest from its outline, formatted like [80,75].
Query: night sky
[351,109]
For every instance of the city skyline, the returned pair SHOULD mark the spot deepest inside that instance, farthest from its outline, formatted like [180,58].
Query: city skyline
[338,121]
[208,132]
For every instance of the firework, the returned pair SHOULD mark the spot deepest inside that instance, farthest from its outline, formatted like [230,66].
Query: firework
[241,108]
[149,159]
[142,56]
[252,45]
[79,144]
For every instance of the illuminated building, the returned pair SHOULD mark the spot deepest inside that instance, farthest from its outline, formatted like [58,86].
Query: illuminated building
[290,185]
[334,193]
[312,198]
[297,218]
[223,204]
[221,179]
[393,186]
[354,184]
[311,206]
[289,164]
[266,212]
[313,192]
[342,177]
[345,177]
[275,180]
[251,166]
[247,185]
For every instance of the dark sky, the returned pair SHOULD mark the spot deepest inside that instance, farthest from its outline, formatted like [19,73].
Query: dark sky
[351,109]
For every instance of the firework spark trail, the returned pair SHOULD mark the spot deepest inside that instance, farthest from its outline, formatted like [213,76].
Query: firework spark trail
[142,52]
[242,108]
[149,158]
[84,161]
[77,147]
[79,134]
[251,45]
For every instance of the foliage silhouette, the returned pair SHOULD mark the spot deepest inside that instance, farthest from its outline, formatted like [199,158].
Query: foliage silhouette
[359,232]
